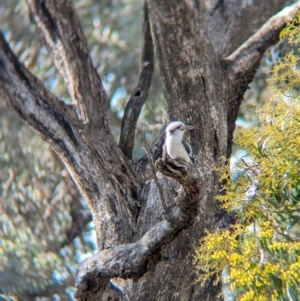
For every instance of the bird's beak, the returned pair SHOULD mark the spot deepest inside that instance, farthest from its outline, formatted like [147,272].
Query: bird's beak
[187,127]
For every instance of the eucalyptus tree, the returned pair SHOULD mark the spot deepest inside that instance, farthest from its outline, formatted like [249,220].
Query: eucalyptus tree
[147,227]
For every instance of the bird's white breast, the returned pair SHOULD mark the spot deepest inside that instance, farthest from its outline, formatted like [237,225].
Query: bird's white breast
[176,149]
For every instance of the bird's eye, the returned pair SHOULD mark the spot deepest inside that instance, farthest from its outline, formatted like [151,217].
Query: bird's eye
[178,127]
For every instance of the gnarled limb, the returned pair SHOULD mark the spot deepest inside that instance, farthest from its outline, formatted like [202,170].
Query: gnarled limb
[132,260]
[140,93]
[59,27]
[249,53]
[125,261]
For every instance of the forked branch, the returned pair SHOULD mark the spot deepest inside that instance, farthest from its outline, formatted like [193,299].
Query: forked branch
[32,101]
[59,27]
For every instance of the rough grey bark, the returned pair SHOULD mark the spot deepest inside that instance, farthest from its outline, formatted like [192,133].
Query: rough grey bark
[231,22]
[147,230]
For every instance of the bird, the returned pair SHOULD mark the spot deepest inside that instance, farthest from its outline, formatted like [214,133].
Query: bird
[176,146]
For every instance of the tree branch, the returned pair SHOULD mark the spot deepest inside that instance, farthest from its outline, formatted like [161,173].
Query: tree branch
[59,27]
[231,23]
[111,189]
[140,93]
[125,261]
[31,100]
[249,53]
[132,260]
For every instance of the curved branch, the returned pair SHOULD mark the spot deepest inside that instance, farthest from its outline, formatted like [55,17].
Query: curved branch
[249,53]
[132,260]
[125,261]
[31,100]
[59,27]
[140,93]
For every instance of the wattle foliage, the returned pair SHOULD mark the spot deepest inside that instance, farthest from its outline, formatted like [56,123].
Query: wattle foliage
[261,253]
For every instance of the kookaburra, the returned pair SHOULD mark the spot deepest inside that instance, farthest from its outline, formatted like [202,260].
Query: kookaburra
[176,146]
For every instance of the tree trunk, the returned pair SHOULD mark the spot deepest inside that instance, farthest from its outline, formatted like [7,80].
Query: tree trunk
[147,228]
